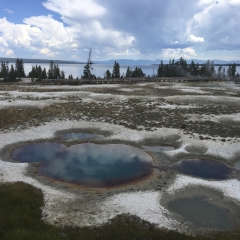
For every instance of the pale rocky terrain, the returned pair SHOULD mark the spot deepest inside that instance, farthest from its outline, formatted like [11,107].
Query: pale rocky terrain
[201,120]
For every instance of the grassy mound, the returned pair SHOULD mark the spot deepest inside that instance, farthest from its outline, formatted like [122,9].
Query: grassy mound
[20,219]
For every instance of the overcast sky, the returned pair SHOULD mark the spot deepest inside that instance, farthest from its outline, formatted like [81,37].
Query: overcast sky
[114,29]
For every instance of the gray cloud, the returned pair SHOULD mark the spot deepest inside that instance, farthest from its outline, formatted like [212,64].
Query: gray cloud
[125,29]
[155,24]
[219,25]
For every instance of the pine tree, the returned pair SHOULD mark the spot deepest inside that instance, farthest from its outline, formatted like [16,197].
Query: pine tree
[116,70]
[129,72]
[220,72]
[12,74]
[107,74]
[87,71]
[234,70]
[70,76]
[213,72]
[51,70]
[33,73]
[62,75]
[19,68]
[4,71]
[56,71]
[160,71]
[39,73]
[137,72]
[44,74]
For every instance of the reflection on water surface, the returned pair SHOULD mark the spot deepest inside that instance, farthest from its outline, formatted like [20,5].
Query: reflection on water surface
[88,164]
[203,168]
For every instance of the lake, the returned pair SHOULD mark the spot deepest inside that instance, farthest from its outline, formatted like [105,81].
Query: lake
[99,69]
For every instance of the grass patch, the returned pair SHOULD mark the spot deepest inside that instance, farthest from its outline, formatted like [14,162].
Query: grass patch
[20,214]
[20,219]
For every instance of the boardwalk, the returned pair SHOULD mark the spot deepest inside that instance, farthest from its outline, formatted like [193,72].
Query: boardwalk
[81,81]
[122,80]
[237,82]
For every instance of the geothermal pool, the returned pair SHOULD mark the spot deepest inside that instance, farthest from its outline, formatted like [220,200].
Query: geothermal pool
[203,168]
[87,164]
[201,213]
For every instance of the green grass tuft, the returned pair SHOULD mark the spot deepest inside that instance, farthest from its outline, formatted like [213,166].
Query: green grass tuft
[20,219]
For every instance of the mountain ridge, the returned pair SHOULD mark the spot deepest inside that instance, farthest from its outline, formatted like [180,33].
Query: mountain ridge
[120,61]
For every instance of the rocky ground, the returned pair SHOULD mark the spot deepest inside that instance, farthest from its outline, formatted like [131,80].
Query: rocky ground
[201,120]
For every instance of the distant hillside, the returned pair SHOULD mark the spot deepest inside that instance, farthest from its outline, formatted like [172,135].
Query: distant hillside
[27,60]
[126,62]
[157,62]
[129,62]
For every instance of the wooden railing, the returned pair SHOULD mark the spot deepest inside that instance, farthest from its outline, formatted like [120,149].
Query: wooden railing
[80,81]
[123,80]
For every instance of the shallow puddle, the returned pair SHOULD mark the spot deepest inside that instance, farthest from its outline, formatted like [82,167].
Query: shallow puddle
[74,135]
[87,164]
[202,213]
[158,148]
[203,169]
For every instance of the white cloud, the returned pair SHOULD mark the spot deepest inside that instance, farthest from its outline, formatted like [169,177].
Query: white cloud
[6,52]
[195,39]
[186,53]
[46,51]
[76,9]
[237,2]
[9,52]
[51,33]
[218,24]
[15,34]
[3,42]
[8,10]
[125,28]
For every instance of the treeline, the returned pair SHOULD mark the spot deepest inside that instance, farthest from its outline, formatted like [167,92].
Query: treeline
[182,69]
[178,68]
[54,72]
[15,73]
[12,73]
[137,72]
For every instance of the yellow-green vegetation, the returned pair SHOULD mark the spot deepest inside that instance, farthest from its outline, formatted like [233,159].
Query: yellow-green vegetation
[20,214]
[20,219]
[133,113]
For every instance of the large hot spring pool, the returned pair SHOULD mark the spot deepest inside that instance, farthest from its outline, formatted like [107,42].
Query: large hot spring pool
[87,164]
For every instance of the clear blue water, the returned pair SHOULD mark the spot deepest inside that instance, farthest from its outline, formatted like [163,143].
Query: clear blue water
[74,135]
[202,213]
[88,164]
[203,169]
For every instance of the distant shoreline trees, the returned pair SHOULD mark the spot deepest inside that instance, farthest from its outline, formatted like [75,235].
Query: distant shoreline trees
[182,69]
[13,73]
[173,68]
[54,72]
[137,72]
